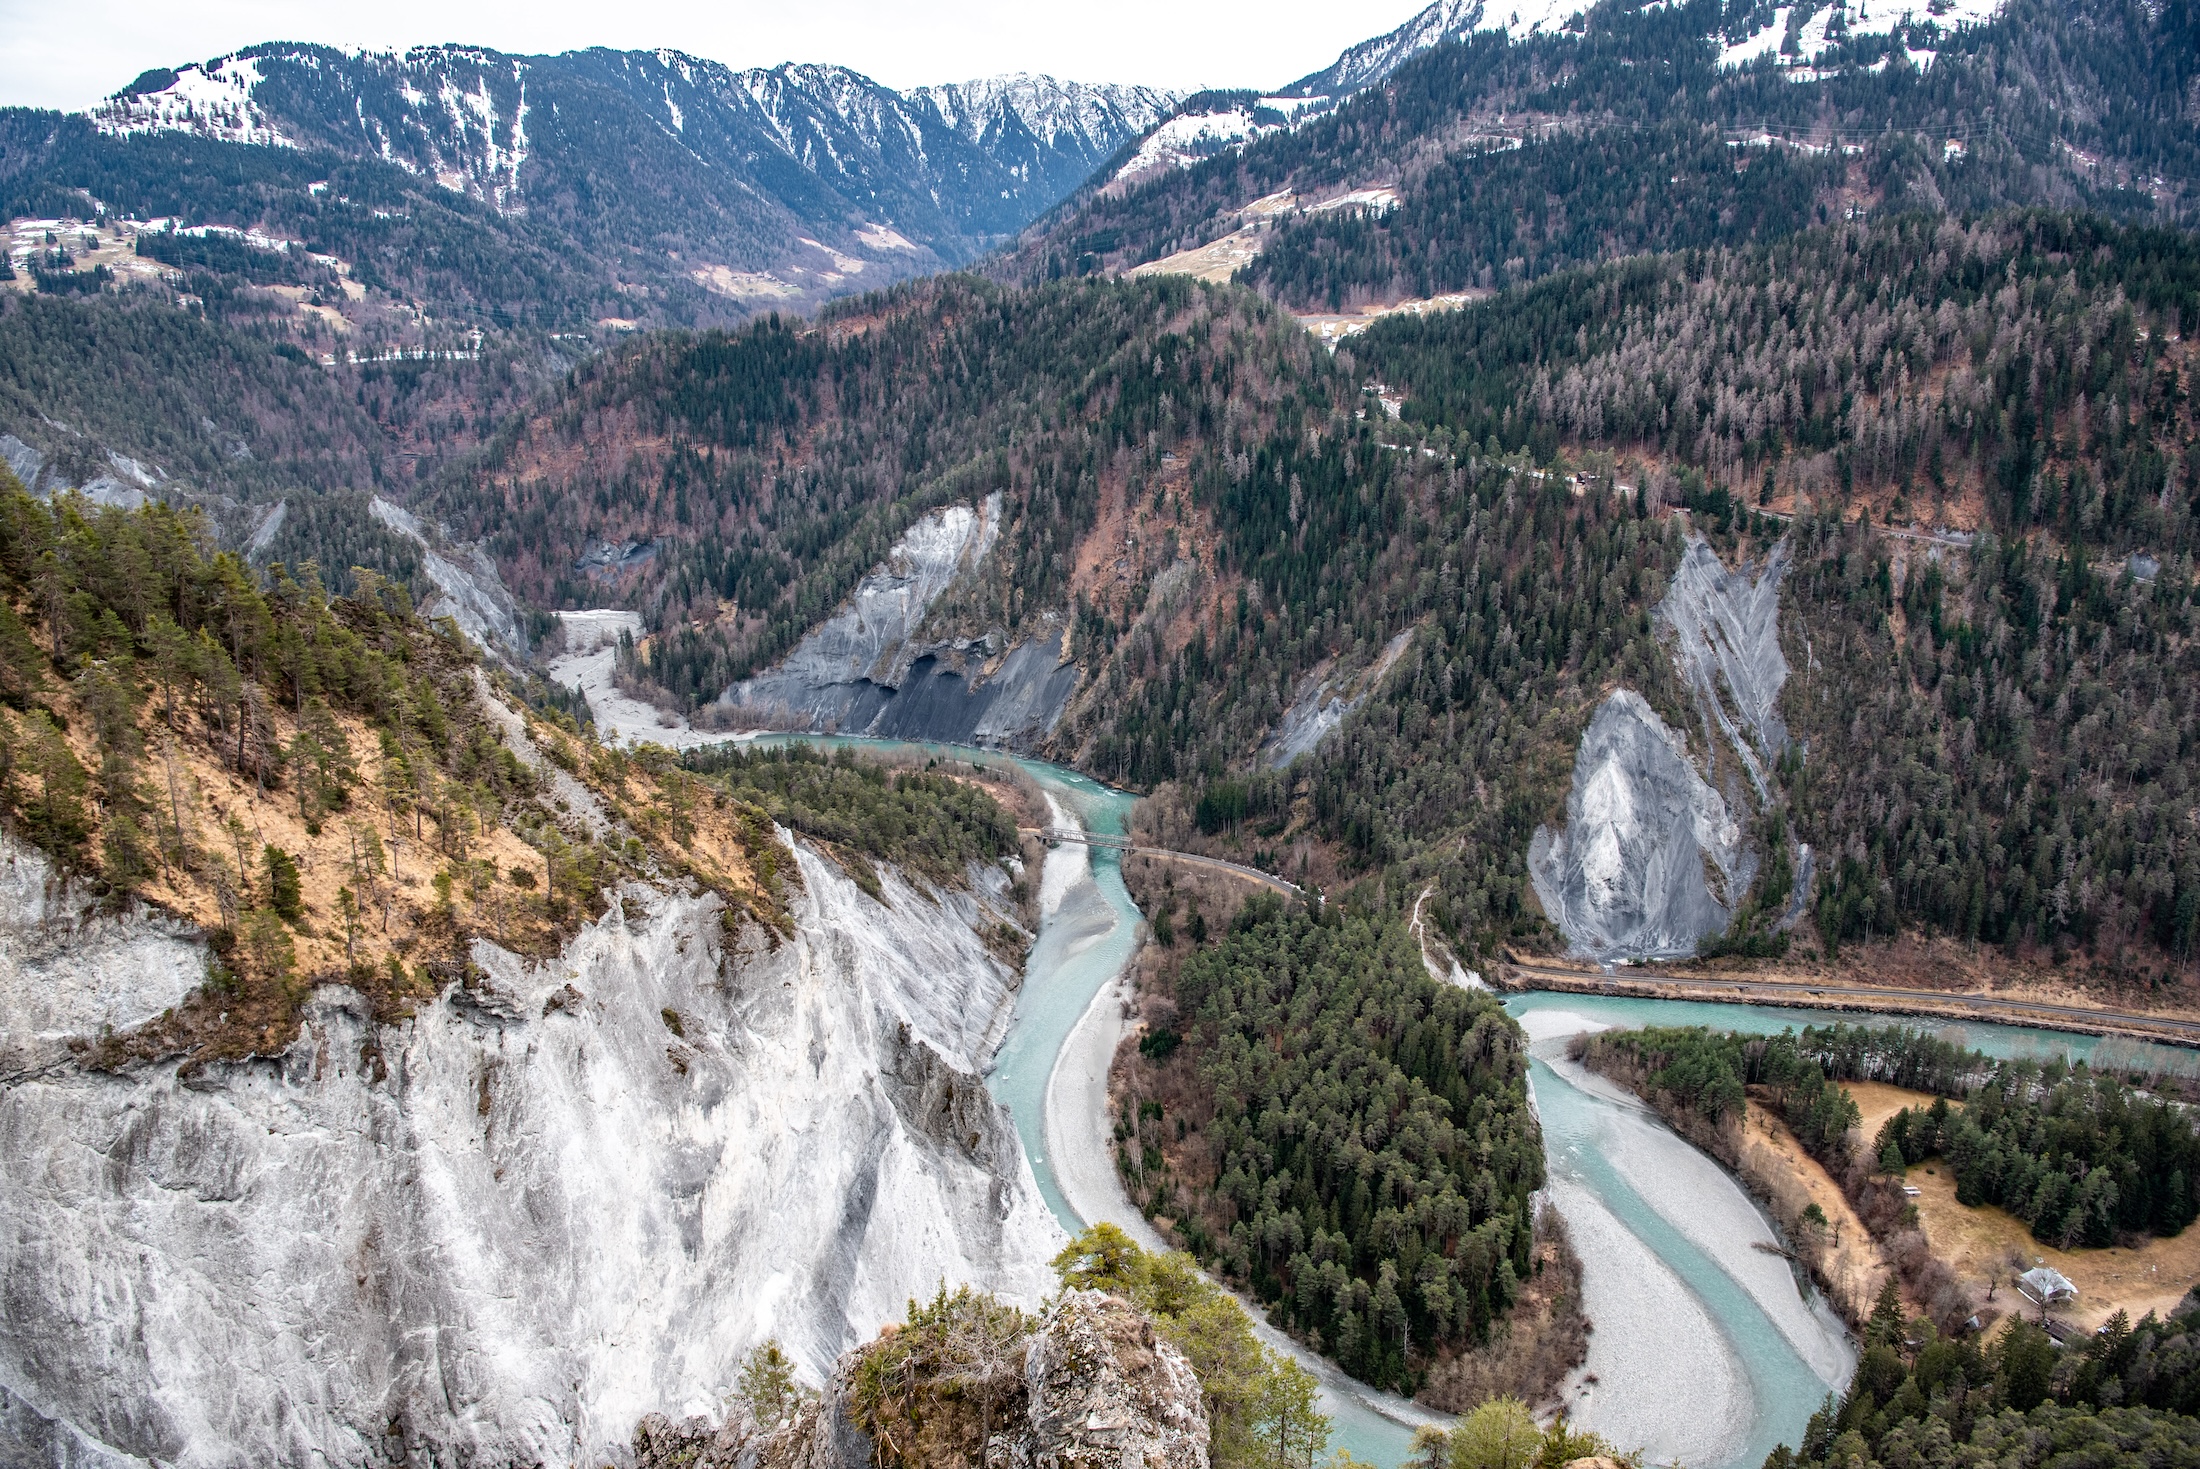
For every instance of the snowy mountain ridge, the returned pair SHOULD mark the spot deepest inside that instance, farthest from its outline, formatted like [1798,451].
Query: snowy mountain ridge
[461,115]
[1188,137]
[1052,110]
[1373,60]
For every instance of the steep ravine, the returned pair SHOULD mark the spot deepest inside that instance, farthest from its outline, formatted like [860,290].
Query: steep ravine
[505,1229]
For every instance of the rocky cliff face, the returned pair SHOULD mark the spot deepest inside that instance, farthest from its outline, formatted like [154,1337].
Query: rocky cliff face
[1325,697]
[1726,627]
[1652,859]
[866,671]
[1627,876]
[503,1229]
[1095,1388]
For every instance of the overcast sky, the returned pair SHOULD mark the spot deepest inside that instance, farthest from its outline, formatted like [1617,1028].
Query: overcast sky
[70,53]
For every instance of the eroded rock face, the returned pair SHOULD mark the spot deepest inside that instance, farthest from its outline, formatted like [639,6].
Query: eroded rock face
[1727,643]
[1323,703]
[1652,859]
[1627,876]
[864,670]
[1101,1390]
[502,1231]
[68,972]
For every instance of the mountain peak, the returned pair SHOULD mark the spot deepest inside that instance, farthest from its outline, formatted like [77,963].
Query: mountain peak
[1371,61]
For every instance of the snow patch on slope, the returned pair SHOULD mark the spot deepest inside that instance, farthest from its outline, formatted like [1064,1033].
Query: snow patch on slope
[1820,30]
[1185,140]
[1373,61]
[213,100]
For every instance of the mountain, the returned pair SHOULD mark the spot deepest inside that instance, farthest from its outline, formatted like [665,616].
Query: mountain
[1371,61]
[1484,156]
[645,185]
[1212,123]
[948,168]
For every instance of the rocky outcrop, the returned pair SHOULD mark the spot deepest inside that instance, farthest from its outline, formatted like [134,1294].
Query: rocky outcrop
[865,671]
[1652,859]
[1632,874]
[1726,627]
[503,1230]
[1323,701]
[1097,1389]
[1107,1391]
[69,971]
[467,587]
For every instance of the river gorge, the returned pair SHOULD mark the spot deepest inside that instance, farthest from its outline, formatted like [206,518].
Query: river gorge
[1706,1349]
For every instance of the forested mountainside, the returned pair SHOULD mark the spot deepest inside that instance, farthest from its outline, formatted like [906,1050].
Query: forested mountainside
[1501,159]
[555,191]
[1509,545]
[767,470]
[127,398]
[2008,782]
[285,768]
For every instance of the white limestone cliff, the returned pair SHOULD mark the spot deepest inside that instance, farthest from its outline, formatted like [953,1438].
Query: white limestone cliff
[505,1229]
[1726,627]
[865,670]
[1652,858]
[1626,877]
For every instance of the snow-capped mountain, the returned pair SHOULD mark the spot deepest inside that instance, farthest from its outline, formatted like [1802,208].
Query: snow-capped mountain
[1199,132]
[1371,61]
[1056,113]
[945,169]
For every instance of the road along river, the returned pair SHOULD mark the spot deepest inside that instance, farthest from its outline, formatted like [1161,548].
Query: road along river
[1706,1350]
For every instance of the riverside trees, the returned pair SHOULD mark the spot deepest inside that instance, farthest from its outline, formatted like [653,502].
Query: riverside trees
[1372,1152]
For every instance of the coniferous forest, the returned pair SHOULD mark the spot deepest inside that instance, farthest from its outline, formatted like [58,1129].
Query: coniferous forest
[1908,323]
[1370,1154]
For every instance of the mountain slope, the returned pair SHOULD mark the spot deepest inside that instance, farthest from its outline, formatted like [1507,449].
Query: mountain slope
[670,185]
[948,168]
[1226,540]
[436,1027]
[1372,61]
[1509,157]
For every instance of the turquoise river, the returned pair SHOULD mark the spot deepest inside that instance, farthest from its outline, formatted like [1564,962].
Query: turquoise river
[1776,1359]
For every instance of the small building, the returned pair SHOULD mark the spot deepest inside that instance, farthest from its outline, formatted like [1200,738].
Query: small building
[2046,1286]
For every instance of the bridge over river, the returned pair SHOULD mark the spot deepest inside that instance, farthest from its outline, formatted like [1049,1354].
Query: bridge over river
[1055,836]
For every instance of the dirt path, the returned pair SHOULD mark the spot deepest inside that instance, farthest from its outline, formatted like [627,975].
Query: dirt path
[1774,1159]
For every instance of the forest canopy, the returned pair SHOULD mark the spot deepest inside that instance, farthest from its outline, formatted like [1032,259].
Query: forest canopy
[1372,1150]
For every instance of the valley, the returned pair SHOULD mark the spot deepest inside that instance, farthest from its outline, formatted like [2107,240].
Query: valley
[1478,763]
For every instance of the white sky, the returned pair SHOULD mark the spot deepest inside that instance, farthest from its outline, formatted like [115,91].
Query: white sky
[70,53]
